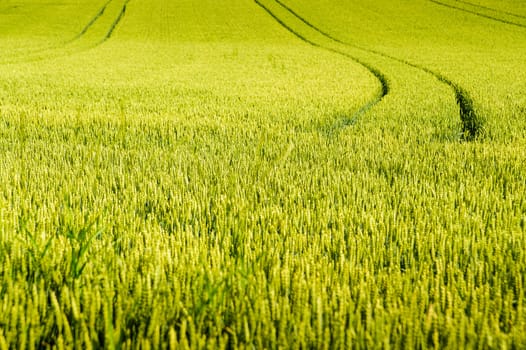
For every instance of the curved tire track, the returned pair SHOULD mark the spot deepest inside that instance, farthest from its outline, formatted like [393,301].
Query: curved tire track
[116,22]
[384,89]
[91,22]
[493,9]
[475,13]
[84,30]
[49,51]
[472,125]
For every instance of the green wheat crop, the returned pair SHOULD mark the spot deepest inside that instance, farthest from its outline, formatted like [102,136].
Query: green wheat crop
[269,174]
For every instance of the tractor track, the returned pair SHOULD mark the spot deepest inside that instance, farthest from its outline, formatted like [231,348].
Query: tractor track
[116,22]
[50,50]
[91,22]
[384,89]
[84,30]
[475,13]
[471,123]
[492,9]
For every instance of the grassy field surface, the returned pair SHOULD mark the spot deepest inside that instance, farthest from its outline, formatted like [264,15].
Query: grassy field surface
[262,174]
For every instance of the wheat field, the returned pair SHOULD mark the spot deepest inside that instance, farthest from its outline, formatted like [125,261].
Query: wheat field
[263,174]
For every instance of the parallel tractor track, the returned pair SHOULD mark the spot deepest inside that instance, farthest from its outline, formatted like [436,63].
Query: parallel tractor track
[79,36]
[91,22]
[475,13]
[384,89]
[116,22]
[471,123]
[493,9]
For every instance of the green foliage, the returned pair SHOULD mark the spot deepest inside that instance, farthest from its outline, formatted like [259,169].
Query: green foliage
[37,250]
[192,174]
[80,241]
